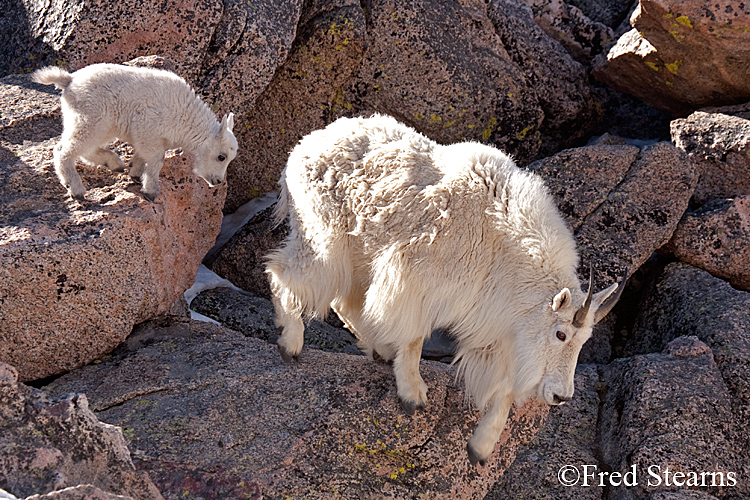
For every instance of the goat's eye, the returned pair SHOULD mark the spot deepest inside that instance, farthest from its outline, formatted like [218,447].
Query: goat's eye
[560,335]
[222,157]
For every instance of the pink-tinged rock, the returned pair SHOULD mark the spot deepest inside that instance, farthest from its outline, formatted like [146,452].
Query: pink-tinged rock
[58,449]
[687,347]
[682,55]
[205,405]
[75,277]
[94,31]
[716,238]
[718,139]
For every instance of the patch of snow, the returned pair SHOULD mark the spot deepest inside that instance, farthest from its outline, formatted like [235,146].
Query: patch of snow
[232,223]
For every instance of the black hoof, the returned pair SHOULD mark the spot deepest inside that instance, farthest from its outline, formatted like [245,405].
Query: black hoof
[474,458]
[136,179]
[286,357]
[410,407]
[79,197]
[149,197]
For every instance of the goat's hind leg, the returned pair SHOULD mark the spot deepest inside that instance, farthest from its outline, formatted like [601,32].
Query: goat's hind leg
[302,284]
[137,166]
[65,168]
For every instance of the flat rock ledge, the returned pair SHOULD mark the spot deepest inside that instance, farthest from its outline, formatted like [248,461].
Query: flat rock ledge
[202,405]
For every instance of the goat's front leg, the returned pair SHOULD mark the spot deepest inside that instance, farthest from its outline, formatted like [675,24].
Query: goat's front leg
[150,177]
[488,431]
[412,391]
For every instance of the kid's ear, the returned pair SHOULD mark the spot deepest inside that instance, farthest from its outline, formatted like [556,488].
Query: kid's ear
[227,123]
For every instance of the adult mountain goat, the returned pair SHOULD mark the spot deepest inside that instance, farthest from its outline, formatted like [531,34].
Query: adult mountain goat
[153,110]
[400,235]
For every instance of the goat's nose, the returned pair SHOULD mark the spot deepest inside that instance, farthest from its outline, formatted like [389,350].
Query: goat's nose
[558,400]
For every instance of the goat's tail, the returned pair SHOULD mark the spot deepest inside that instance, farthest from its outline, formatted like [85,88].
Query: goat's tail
[52,74]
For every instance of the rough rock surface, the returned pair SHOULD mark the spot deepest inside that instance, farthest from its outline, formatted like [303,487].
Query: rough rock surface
[716,237]
[581,36]
[671,412]
[92,31]
[621,202]
[48,445]
[569,437]
[208,403]
[454,71]
[682,55]
[718,139]
[248,44]
[305,94]
[688,301]
[76,276]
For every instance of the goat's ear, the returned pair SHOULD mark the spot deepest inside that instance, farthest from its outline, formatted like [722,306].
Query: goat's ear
[561,300]
[227,123]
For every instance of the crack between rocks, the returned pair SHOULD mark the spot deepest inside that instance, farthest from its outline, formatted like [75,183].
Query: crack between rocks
[205,71]
[593,212]
[136,394]
[603,466]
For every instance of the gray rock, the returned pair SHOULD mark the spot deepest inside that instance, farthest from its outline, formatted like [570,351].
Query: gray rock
[621,202]
[682,495]
[242,259]
[672,412]
[54,444]
[718,139]
[640,215]
[688,301]
[716,238]
[609,12]
[565,22]
[207,405]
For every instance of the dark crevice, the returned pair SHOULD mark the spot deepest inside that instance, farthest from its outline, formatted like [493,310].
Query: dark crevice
[602,465]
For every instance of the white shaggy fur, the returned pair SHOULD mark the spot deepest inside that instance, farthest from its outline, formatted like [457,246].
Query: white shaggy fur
[153,110]
[400,236]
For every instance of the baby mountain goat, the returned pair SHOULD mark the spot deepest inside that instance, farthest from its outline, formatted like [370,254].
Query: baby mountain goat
[153,110]
[400,236]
